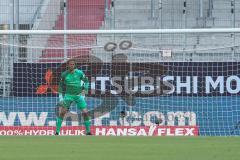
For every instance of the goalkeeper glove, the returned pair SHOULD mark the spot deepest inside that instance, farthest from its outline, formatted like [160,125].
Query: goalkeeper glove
[60,97]
[82,97]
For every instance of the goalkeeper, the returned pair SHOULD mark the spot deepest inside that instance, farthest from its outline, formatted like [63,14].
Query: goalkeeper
[71,90]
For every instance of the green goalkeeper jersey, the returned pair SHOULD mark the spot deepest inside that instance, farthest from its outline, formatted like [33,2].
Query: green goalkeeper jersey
[71,82]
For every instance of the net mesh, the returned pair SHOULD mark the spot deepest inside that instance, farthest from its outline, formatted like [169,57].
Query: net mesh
[175,83]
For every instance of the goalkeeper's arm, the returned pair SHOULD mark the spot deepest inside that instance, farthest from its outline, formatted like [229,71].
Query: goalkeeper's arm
[85,84]
[60,89]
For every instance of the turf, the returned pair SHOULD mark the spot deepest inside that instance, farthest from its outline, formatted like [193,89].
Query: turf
[119,148]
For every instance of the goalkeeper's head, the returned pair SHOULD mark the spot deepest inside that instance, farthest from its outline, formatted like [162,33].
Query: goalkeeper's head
[71,64]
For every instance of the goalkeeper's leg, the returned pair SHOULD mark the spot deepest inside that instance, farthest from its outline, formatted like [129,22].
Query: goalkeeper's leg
[61,113]
[62,110]
[82,105]
[87,122]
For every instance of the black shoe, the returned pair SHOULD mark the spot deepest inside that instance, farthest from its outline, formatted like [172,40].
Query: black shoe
[56,134]
[89,134]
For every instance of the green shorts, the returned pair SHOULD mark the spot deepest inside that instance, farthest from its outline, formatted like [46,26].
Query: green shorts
[69,99]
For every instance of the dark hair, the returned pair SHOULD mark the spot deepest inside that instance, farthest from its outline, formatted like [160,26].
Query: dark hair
[71,60]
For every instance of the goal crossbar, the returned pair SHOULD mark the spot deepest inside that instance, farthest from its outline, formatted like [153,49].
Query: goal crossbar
[131,31]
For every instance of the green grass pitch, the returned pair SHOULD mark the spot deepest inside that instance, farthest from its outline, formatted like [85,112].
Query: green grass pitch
[118,148]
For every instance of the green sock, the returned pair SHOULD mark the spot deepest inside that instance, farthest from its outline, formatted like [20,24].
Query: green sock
[87,124]
[58,124]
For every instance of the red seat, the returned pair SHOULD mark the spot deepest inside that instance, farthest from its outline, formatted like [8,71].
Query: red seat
[84,14]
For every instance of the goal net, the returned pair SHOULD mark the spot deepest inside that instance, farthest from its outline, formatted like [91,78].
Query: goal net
[142,82]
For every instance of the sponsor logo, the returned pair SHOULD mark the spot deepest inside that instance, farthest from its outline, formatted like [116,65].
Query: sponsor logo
[150,118]
[104,131]
[144,79]
[43,89]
